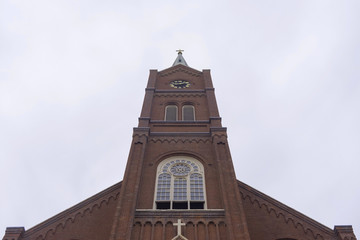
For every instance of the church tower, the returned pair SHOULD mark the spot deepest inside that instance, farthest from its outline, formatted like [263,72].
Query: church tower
[180,165]
[179,181]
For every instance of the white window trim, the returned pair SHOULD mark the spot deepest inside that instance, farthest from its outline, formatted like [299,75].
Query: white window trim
[200,171]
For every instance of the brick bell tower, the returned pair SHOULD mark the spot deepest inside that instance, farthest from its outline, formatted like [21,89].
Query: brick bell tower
[179,169]
[179,182]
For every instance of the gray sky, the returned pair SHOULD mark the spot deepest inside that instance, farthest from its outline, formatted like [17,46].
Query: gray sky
[286,75]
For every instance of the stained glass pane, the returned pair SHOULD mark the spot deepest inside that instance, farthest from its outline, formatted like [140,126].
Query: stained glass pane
[180,169]
[196,187]
[163,187]
[180,187]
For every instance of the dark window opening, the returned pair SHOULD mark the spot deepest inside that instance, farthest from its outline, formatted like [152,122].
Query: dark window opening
[163,205]
[188,113]
[171,113]
[196,205]
[180,205]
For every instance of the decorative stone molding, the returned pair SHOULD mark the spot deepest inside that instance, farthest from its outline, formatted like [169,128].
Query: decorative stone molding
[193,227]
[191,72]
[219,138]
[216,216]
[140,135]
[179,140]
[180,95]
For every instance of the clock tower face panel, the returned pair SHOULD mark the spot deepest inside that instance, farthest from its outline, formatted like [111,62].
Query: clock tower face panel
[179,84]
[180,80]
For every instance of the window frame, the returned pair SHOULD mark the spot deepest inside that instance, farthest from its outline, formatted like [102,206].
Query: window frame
[196,167]
[193,111]
[176,112]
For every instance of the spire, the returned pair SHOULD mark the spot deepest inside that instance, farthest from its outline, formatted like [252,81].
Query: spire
[180,59]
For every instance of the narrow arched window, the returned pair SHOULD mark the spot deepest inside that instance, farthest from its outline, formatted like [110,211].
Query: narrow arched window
[188,113]
[171,113]
[180,184]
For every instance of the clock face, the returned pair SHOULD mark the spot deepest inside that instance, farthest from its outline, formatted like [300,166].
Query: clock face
[180,84]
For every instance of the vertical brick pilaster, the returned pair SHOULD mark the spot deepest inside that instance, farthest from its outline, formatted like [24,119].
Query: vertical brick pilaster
[14,233]
[234,210]
[125,210]
[344,232]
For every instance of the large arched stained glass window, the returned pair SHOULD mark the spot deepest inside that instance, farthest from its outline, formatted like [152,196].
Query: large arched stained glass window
[180,184]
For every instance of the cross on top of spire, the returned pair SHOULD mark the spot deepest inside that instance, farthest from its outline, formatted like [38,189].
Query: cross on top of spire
[180,59]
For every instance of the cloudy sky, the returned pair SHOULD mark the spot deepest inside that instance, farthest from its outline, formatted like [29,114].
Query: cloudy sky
[286,75]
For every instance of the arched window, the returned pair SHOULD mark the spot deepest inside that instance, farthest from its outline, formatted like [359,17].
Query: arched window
[188,113]
[180,184]
[171,113]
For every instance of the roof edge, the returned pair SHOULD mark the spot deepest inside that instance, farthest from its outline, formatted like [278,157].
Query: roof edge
[73,209]
[172,68]
[286,208]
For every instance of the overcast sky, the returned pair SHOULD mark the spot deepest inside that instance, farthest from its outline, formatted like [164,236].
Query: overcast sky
[286,75]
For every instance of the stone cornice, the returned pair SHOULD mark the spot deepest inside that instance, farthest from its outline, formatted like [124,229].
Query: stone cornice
[180,94]
[207,213]
[180,91]
[180,134]
[179,123]
[150,215]
[179,140]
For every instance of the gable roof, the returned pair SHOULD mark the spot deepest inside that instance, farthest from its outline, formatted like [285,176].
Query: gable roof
[250,196]
[62,219]
[261,200]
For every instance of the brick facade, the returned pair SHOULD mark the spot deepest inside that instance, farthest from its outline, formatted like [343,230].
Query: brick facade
[232,209]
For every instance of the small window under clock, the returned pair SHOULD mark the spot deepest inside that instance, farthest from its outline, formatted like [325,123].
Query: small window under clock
[171,113]
[188,113]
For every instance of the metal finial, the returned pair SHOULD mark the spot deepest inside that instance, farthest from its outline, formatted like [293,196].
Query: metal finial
[180,51]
